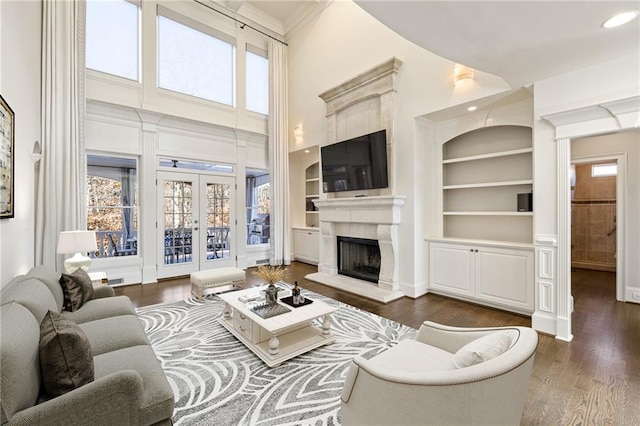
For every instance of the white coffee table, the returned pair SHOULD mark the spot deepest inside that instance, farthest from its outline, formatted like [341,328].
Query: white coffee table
[279,338]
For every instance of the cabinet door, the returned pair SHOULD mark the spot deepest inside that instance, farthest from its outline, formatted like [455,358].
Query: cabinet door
[306,246]
[451,268]
[505,276]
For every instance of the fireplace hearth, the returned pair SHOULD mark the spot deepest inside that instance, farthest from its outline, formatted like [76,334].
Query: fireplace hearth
[359,258]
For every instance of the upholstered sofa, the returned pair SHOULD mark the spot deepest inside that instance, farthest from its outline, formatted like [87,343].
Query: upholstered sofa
[129,386]
[446,376]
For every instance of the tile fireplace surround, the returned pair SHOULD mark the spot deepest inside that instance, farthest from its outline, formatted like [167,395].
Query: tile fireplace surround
[372,217]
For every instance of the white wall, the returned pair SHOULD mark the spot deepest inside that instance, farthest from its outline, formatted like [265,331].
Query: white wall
[20,36]
[344,41]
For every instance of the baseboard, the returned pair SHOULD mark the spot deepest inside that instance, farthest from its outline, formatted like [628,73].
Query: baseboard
[633,295]
[544,323]
[414,290]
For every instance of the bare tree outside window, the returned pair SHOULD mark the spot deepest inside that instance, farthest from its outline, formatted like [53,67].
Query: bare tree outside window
[112,211]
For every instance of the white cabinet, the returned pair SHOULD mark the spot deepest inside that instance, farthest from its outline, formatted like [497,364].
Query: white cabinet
[306,245]
[500,276]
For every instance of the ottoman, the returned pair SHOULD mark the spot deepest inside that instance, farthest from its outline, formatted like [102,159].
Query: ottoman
[214,278]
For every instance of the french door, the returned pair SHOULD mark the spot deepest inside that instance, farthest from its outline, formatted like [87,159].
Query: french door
[196,223]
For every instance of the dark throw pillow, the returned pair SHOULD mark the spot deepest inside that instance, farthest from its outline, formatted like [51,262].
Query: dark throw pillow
[77,289]
[66,360]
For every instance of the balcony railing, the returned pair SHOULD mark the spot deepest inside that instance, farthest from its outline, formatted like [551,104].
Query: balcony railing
[113,244]
[178,246]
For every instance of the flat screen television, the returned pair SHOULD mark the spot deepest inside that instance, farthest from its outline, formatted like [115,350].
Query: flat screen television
[355,164]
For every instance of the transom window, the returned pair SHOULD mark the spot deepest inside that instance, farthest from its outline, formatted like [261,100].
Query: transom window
[195,165]
[603,170]
[112,38]
[195,62]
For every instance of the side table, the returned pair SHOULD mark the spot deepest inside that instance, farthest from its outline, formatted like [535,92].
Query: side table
[98,278]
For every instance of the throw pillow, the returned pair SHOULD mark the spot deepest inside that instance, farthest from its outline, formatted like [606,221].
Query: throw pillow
[77,289]
[66,359]
[484,348]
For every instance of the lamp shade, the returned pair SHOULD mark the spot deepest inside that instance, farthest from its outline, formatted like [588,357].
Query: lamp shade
[77,242]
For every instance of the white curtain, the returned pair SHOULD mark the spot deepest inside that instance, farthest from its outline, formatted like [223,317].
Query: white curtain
[279,154]
[60,198]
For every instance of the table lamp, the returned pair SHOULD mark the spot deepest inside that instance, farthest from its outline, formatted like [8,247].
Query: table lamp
[77,242]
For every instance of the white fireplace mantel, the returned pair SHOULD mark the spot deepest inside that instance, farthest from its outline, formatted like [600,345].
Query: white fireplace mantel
[380,209]
[373,217]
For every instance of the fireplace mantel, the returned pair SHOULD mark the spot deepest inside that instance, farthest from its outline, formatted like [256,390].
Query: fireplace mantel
[379,209]
[373,217]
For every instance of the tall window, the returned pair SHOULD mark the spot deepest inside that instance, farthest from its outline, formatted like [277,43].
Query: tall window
[257,82]
[112,204]
[195,63]
[258,207]
[113,37]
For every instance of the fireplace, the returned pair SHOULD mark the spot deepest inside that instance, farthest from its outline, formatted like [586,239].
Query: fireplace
[359,258]
[372,217]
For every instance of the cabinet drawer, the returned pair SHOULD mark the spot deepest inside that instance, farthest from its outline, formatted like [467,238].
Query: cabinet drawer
[242,319]
[243,326]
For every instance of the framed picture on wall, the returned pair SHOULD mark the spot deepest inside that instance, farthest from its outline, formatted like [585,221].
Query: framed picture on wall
[6,160]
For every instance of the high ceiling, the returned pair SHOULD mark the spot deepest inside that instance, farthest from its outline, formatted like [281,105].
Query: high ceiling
[521,41]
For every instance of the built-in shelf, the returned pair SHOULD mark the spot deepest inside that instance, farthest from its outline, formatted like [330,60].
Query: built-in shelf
[487,156]
[490,184]
[312,191]
[487,213]
[483,172]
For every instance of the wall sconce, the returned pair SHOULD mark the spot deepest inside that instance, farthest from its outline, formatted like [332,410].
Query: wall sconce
[36,153]
[298,133]
[462,72]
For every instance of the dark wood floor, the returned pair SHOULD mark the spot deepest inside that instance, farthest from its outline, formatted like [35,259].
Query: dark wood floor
[594,380]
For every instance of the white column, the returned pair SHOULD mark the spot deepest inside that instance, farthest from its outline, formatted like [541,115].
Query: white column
[565,300]
[147,197]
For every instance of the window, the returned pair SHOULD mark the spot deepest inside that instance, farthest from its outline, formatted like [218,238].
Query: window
[195,165]
[195,63]
[603,170]
[258,208]
[112,37]
[112,204]
[257,83]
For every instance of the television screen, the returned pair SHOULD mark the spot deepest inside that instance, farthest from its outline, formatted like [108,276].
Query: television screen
[355,164]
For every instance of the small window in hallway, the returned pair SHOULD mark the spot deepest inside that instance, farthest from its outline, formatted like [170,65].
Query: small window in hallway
[602,170]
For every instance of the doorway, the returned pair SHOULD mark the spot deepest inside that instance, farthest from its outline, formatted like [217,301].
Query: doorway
[196,223]
[597,209]
[593,215]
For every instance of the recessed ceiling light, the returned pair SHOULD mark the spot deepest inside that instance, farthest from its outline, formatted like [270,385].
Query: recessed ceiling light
[472,108]
[620,19]
[306,151]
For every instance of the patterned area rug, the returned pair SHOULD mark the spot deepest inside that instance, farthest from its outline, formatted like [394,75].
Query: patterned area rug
[217,380]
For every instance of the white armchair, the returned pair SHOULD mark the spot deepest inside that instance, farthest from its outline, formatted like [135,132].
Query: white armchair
[447,375]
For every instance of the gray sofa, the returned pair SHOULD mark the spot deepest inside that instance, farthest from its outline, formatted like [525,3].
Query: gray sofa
[129,387]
